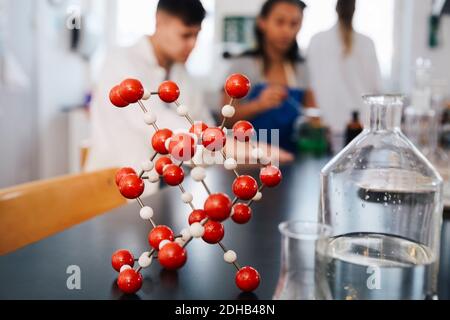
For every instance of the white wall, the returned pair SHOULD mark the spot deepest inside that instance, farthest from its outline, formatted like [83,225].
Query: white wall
[61,83]
[214,81]
[18,110]
[234,7]
[412,42]
[63,77]
[222,9]
[34,129]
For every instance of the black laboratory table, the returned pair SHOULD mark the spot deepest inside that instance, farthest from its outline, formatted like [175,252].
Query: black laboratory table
[40,271]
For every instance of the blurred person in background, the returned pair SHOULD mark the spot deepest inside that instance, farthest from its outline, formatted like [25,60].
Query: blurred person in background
[277,71]
[343,66]
[121,137]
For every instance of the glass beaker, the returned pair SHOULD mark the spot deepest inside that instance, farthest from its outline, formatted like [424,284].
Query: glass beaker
[303,261]
[383,200]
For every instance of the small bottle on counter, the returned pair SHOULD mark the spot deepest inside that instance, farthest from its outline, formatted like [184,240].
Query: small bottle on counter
[311,133]
[354,128]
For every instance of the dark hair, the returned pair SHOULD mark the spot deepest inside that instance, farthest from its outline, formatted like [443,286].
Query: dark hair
[293,54]
[345,10]
[191,12]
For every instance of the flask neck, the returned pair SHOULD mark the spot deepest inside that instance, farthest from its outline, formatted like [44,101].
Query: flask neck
[385,112]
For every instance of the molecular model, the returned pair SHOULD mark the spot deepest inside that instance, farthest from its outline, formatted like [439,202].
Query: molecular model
[171,151]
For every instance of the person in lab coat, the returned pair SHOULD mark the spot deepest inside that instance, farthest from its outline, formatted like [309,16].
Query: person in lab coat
[277,71]
[343,66]
[120,137]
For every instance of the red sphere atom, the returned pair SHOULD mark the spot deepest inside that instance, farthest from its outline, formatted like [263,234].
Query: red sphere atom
[173,175]
[122,173]
[243,131]
[241,213]
[245,187]
[218,207]
[214,139]
[237,86]
[159,234]
[169,92]
[214,232]
[131,90]
[159,140]
[248,279]
[198,128]
[129,281]
[131,186]
[121,258]
[182,146]
[161,163]
[116,99]
[172,256]
[197,216]
[270,176]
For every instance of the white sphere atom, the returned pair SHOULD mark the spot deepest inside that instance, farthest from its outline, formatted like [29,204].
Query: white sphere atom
[145,260]
[187,197]
[228,111]
[185,234]
[147,94]
[163,243]
[257,197]
[182,111]
[230,164]
[147,166]
[146,213]
[124,267]
[230,256]
[197,230]
[153,177]
[198,174]
[167,143]
[180,242]
[150,118]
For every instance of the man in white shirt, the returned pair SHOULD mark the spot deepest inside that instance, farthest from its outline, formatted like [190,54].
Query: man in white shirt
[120,137]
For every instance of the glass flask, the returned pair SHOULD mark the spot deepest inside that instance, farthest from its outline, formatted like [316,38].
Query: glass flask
[423,121]
[383,200]
[303,261]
